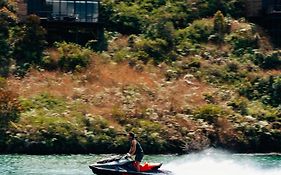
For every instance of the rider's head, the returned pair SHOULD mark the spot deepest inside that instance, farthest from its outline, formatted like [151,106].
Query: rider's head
[131,136]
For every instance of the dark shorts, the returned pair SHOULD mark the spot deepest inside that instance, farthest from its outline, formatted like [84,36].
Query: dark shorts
[138,157]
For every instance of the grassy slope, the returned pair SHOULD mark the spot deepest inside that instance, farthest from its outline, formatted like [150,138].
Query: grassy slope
[171,109]
[107,89]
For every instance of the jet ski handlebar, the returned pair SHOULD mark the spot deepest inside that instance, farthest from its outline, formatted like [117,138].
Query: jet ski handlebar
[116,158]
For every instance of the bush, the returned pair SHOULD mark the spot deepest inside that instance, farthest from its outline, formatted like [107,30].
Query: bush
[243,40]
[123,17]
[210,113]
[219,25]
[228,73]
[7,20]
[28,41]
[72,56]
[270,61]
[186,47]
[157,49]
[199,31]
[134,16]
[42,101]
[163,30]
[265,89]
[239,105]
[9,108]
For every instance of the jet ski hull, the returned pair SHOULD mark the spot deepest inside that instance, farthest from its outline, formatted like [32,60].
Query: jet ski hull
[125,166]
[104,171]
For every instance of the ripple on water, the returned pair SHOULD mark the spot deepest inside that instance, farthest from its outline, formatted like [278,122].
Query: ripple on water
[211,162]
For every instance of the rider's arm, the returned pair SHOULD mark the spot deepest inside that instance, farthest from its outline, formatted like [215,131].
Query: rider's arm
[133,147]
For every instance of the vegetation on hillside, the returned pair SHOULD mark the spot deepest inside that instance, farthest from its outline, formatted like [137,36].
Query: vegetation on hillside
[182,75]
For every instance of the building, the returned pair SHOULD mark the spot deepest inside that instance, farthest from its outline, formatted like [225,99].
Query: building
[70,20]
[61,10]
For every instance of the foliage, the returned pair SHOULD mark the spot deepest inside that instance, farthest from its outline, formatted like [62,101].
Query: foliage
[7,20]
[157,49]
[101,44]
[28,41]
[52,125]
[229,73]
[240,105]
[243,40]
[123,17]
[220,25]
[178,33]
[268,61]
[210,113]
[71,57]
[162,30]
[156,44]
[265,89]
[9,108]
[42,101]
[4,53]
[199,31]
[135,16]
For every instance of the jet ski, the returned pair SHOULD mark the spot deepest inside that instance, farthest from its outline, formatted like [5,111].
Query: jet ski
[124,165]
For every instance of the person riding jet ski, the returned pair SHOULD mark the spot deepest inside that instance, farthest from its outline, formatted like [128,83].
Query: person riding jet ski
[125,165]
[135,149]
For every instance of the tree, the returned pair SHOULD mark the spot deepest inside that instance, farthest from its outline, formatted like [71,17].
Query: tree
[7,19]
[28,41]
[219,25]
[9,112]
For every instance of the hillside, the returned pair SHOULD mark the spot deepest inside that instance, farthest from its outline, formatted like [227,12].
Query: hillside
[181,80]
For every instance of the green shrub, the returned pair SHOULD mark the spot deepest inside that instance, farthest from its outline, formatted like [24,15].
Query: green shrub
[265,89]
[186,47]
[42,101]
[134,16]
[7,20]
[239,105]
[124,17]
[243,40]
[48,62]
[157,49]
[199,31]
[163,30]
[210,113]
[264,112]
[3,83]
[270,61]
[9,108]
[122,55]
[219,25]
[224,74]
[72,56]
[28,41]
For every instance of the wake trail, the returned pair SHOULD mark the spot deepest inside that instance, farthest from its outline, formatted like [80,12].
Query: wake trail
[213,162]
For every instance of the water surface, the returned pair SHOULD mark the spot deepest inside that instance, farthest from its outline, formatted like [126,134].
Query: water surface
[211,162]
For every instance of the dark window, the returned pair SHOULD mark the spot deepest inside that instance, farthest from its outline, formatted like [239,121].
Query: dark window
[68,10]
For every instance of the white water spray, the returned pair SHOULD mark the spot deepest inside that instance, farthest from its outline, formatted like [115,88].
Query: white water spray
[213,162]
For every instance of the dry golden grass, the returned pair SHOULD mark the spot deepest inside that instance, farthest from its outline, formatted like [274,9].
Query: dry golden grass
[118,43]
[237,25]
[101,86]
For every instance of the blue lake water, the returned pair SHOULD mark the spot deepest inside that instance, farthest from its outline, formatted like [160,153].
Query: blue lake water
[211,162]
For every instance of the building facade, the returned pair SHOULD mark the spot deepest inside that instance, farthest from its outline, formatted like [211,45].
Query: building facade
[61,10]
[65,20]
